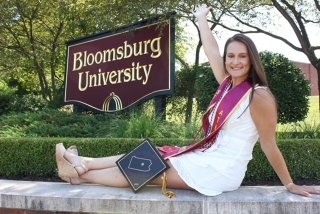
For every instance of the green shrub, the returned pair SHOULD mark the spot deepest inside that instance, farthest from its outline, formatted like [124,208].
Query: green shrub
[142,126]
[206,86]
[12,101]
[6,94]
[52,123]
[184,90]
[34,157]
[288,85]
[301,156]
[27,103]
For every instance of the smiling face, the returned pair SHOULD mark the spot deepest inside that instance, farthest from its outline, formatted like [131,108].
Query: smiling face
[237,61]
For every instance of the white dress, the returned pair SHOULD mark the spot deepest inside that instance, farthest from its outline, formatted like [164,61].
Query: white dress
[221,167]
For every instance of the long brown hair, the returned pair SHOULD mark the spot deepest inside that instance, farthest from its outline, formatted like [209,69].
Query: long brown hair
[257,74]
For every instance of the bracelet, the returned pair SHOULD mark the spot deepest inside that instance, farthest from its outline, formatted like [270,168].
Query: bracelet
[288,185]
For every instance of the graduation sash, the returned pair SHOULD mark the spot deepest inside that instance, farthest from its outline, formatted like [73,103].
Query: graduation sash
[224,106]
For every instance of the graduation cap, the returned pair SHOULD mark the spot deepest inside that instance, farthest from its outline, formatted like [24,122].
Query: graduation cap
[141,165]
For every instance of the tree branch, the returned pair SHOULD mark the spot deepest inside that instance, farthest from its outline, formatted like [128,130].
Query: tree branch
[310,21]
[183,63]
[301,33]
[317,4]
[313,48]
[259,30]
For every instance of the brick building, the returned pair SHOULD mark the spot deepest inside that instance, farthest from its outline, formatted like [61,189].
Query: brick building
[310,73]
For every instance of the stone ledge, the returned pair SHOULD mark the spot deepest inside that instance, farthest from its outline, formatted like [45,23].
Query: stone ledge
[63,197]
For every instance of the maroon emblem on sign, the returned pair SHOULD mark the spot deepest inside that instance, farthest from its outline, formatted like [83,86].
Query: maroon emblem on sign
[112,71]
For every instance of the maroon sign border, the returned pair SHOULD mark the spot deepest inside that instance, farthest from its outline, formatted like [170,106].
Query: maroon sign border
[125,29]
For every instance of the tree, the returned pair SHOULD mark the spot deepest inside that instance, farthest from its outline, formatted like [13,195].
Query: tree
[290,88]
[30,41]
[254,16]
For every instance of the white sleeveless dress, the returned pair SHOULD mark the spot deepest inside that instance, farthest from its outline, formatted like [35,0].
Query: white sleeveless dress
[221,167]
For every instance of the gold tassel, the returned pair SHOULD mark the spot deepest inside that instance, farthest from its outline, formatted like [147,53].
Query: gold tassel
[169,194]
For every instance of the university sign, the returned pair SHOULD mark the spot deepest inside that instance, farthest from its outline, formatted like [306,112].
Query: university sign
[114,70]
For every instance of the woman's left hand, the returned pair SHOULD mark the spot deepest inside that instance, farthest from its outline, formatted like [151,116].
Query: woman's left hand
[302,190]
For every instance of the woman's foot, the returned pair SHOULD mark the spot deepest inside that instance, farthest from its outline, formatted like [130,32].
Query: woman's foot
[71,155]
[65,168]
[73,149]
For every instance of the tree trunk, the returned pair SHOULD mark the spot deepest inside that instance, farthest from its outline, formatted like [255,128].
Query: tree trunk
[188,114]
[318,74]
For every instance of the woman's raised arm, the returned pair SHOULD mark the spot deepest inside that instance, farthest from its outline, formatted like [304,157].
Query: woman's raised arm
[210,44]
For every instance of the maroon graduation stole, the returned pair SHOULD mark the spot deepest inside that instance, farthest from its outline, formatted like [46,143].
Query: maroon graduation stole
[224,105]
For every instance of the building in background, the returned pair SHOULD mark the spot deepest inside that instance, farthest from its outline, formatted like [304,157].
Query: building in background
[310,73]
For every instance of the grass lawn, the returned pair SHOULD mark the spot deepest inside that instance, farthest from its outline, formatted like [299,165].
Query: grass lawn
[313,114]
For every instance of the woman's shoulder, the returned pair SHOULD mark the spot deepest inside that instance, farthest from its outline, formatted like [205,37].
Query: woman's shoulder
[262,98]
[263,108]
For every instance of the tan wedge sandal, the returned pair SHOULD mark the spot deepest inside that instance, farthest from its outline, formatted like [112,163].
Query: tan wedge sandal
[65,168]
[73,149]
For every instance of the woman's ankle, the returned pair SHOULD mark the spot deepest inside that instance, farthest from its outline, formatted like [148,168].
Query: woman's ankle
[78,162]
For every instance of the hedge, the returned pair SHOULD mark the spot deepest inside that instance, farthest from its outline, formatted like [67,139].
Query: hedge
[34,157]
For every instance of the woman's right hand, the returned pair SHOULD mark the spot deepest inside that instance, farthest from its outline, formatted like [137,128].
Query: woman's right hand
[201,11]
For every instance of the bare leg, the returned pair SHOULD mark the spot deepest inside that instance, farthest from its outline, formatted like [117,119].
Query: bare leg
[104,171]
[113,177]
[92,163]
[101,163]
[109,177]
[173,179]
[95,170]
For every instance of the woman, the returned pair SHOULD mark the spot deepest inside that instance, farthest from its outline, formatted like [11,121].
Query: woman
[220,163]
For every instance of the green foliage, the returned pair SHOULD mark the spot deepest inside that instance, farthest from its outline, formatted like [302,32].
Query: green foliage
[34,157]
[185,80]
[27,103]
[15,99]
[194,82]
[142,126]
[176,108]
[205,85]
[301,157]
[52,123]
[302,130]
[288,85]
[5,98]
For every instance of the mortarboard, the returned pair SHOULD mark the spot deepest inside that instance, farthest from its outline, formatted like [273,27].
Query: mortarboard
[142,164]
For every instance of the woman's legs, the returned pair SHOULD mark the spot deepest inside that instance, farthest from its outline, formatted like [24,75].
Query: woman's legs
[96,170]
[105,171]
[111,176]
[173,179]
[91,163]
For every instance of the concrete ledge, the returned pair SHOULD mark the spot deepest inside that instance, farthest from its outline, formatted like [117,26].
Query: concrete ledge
[63,197]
